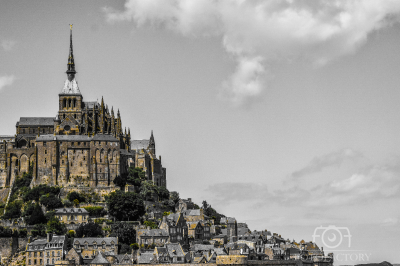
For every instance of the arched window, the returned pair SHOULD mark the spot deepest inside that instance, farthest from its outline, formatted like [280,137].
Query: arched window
[64,105]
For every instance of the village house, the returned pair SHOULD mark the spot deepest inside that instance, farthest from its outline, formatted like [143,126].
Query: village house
[176,227]
[72,215]
[157,237]
[199,230]
[91,246]
[45,251]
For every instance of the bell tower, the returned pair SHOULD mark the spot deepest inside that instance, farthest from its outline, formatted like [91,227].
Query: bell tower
[70,100]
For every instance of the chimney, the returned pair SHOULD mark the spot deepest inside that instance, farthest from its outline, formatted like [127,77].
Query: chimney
[49,237]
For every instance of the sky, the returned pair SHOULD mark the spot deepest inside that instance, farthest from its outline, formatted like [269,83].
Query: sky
[283,114]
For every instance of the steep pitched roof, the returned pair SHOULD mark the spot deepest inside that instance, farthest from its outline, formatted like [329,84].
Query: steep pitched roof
[99,259]
[153,232]
[71,211]
[36,121]
[98,240]
[175,249]
[145,258]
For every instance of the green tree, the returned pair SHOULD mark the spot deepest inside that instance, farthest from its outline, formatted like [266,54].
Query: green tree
[163,193]
[89,229]
[136,176]
[13,210]
[39,230]
[152,224]
[36,192]
[56,227]
[51,201]
[173,195]
[72,196]
[148,189]
[125,206]
[36,216]
[5,232]
[124,231]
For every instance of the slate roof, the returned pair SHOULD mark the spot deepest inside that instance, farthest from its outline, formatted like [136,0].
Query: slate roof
[202,247]
[51,137]
[103,137]
[153,232]
[99,259]
[138,144]
[175,250]
[145,258]
[220,251]
[98,240]
[36,121]
[57,239]
[71,210]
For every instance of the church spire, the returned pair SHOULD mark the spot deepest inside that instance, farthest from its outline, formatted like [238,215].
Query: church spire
[70,85]
[71,64]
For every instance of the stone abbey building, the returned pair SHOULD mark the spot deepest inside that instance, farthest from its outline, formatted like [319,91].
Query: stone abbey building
[84,146]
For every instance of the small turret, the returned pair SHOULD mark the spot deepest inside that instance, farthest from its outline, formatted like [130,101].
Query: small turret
[152,144]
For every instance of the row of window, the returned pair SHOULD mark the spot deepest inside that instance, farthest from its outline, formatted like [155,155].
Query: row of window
[35,254]
[95,246]
[36,130]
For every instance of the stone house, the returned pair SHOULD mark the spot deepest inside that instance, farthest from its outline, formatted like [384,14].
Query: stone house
[199,230]
[100,260]
[184,205]
[176,227]
[73,255]
[93,245]
[157,237]
[193,215]
[72,215]
[45,251]
[221,239]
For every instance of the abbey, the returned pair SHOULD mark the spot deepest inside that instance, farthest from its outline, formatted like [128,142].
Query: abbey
[84,146]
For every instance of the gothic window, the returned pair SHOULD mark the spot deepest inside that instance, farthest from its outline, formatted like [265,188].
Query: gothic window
[84,158]
[58,253]
[64,116]
[80,164]
[75,116]
[45,151]
[62,161]
[44,130]
[45,160]
[29,261]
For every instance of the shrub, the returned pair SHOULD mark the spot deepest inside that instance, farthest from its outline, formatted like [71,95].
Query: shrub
[95,211]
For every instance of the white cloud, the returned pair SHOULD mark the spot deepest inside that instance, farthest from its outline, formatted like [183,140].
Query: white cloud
[333,159]
[6,81]
[7,45]
[390,222]
[259,32]
[376,183]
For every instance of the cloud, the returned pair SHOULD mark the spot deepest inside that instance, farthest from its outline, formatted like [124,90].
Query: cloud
[258,33]
[8,45]
[390,222]
[333,159]
[6,81]
[376,183]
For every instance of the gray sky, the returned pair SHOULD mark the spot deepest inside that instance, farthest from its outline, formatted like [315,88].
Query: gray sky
[283,114]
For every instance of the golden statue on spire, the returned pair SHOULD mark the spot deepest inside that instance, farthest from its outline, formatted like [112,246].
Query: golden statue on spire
[70,25]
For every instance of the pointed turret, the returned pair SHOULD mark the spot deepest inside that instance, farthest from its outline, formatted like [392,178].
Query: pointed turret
[71,63]
[70,85]
[152,144]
